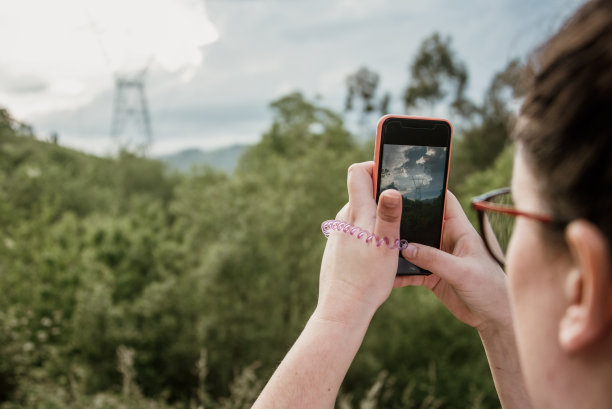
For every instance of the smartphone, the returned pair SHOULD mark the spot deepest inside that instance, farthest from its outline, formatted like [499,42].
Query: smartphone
[412,155]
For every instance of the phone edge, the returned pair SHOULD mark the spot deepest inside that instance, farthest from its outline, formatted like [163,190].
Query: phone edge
[379,125]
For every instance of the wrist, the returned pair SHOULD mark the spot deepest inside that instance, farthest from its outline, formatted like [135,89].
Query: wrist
[495,330]
[499,340]
[500,325]
[344,309]
[498,321]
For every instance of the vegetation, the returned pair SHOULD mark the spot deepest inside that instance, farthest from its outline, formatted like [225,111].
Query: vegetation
[225,159]
[126,285]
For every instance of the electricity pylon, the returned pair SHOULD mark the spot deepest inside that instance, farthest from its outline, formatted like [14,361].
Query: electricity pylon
[131,104]
[418,183]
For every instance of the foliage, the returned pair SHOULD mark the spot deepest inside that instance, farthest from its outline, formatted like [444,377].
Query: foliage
[498,175]
[488,133]
[362,86]
[224,158]
[125,285]
[435,73]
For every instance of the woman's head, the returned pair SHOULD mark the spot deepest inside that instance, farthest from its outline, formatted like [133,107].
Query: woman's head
[561,280]
[565,130]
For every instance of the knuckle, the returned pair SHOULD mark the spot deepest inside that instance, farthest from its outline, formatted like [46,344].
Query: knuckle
[357,167]
[350,173]
[389,217]
[342,214]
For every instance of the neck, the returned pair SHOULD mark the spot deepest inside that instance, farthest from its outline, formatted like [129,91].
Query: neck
[585,380]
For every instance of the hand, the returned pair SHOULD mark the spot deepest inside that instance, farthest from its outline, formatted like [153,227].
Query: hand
[357,277]
[465,277]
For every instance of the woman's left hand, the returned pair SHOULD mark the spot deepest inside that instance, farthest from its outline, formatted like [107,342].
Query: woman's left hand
[357,277]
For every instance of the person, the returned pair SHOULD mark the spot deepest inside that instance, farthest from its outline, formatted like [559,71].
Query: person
[546,326]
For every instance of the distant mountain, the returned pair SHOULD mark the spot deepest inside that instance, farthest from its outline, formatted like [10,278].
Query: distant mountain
[224,159]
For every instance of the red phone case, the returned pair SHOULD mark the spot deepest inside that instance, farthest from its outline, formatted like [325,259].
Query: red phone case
[377,154]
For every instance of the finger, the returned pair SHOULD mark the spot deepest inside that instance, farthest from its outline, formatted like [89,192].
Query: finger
[444,265]
[403,281]
[453,207]
[457,226]
[428,281]
[359,182]
[454,216]
[389,215]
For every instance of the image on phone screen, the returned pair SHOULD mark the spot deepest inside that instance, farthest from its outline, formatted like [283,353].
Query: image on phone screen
[418,173]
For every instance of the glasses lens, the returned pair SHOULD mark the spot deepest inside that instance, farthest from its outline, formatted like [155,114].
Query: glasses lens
[498,227]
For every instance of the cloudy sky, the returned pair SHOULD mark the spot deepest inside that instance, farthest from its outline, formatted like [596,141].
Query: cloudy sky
[215,65]
[416,171]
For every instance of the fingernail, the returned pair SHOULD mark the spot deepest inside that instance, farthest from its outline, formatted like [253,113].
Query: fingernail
[410,251]
[391,200]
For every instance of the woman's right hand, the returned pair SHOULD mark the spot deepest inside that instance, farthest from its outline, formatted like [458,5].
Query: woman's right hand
[465,277]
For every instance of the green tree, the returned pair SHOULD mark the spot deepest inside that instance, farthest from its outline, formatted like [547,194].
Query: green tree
[436,73]
[361,90]
[482,141]
[264,276]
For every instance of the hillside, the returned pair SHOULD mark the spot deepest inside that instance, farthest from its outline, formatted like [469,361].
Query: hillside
[224,159]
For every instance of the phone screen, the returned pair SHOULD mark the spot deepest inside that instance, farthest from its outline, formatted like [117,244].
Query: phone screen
[414,161]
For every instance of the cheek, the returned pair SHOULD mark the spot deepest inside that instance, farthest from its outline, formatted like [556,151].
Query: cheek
[522,262]
[522,267]
[533,301]
[532,272]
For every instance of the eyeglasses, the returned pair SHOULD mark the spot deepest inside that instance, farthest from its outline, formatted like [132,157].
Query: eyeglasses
[496,216]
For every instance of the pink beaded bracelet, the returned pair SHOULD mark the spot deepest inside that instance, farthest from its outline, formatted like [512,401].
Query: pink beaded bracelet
[338,225]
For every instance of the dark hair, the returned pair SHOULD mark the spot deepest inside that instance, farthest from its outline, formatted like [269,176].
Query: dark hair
[565,130]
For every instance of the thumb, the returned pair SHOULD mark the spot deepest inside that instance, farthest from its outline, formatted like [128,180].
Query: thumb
[388,215]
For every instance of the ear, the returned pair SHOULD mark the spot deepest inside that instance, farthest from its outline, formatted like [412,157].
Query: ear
[587,287]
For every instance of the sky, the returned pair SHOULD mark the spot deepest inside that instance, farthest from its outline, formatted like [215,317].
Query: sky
[214,66]
[417,172]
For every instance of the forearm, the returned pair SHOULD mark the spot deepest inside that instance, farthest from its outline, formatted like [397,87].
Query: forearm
[502,354]
[312,372]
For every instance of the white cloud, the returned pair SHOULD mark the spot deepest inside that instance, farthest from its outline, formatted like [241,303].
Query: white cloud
[135,33]
[63,43]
